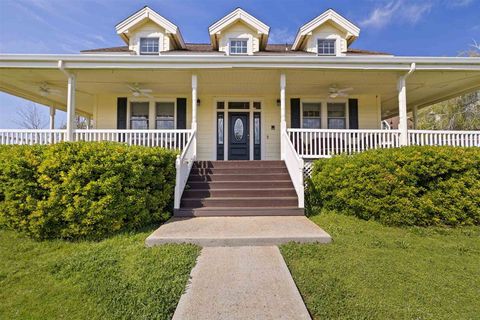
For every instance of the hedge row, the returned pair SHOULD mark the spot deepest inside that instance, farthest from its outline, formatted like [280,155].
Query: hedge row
[83,189]
[421,186]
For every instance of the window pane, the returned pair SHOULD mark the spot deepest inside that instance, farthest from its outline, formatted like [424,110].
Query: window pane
[311,123]
[220,105]
[220,129]
[336,110]
[336,123]
[238,105]
[149,45]
[256,133]
[238,46]
[336,115]
[139,115]
[165,115]
[326,46]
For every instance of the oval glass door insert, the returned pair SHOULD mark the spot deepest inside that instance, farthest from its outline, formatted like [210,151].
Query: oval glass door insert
[238,129]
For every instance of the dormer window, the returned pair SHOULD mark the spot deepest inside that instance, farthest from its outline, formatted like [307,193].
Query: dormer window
[326,47]
[238,46]
[149,46]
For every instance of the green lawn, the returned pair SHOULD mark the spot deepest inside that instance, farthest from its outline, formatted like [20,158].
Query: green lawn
[117,278]
[375,272]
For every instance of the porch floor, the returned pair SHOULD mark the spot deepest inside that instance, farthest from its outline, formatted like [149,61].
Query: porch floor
[238,231]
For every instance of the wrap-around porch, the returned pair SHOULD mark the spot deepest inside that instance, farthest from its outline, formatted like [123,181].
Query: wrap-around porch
[278,105]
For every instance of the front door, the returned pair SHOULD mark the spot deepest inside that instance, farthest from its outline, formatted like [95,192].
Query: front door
[239,136]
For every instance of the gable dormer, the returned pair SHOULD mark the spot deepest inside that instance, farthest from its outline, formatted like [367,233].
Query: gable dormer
[148,33]
[239,33]
[329,34]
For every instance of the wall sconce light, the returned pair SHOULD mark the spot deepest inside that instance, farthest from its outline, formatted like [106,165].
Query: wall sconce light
[278,102]
[198,102]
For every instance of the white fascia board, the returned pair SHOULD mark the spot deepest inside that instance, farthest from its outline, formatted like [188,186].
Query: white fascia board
[220,62]
[147,13]
[329,15]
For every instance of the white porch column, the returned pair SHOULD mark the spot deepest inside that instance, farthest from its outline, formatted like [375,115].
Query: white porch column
[415,117]
[71,107]
[194,102]
[402,105]
[52,117]
[283,122]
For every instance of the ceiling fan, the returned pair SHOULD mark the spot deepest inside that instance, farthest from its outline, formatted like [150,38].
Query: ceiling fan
[138,91]
[335,92]
[46,90]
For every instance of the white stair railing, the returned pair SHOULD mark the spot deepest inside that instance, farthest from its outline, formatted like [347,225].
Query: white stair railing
[183,165]
[444,138]
[295,167]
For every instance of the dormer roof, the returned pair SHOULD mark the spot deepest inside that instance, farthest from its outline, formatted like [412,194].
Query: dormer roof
[328,16]
[147,14]
[239,15]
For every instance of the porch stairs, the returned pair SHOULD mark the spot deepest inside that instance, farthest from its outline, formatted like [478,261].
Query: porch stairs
[239,188]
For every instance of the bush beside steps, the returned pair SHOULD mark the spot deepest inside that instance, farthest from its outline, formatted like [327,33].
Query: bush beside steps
[84,190]
[409,186]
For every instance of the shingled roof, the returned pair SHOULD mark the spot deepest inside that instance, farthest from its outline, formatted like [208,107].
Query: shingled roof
[205,48]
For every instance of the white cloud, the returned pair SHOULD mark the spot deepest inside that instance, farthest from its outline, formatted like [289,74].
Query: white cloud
[404,11]
[460,3]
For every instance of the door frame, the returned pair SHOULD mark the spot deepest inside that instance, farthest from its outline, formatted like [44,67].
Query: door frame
[248,142]
[226,128]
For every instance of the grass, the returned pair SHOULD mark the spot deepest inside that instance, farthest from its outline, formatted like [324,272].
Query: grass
[117,278]
[375,272]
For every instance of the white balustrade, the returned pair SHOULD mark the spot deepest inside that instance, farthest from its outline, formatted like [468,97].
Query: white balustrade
[323,143]
[444,138]
[31,136]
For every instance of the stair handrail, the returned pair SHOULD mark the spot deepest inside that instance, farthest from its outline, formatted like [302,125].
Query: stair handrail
[295,166]
[183,166]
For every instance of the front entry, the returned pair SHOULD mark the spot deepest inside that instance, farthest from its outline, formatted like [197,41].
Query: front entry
[239,136]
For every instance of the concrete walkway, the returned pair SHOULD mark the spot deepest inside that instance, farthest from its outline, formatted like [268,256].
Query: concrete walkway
[241,283]
[238,231]
[240,273]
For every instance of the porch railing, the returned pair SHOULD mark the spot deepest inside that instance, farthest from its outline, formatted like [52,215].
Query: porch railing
[170,139]
[323,143]
[444,138]
[31,136]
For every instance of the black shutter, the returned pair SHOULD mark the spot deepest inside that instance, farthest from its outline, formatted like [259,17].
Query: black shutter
[295,113]
[353,113]
[121,113]
[181,113]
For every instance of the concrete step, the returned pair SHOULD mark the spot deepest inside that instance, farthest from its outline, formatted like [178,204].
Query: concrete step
[238,212]
[269,202]
[238,231]
[254,185]
[204,171]
[239,177]
[238,193]
[239,164]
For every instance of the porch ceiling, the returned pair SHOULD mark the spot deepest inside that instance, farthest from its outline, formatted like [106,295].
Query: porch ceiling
[423,87]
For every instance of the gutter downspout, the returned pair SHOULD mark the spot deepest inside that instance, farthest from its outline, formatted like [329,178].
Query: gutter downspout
[402,105]
[70,101]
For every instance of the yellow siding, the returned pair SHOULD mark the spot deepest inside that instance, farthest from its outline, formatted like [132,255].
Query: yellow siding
[239,30]
[105,116]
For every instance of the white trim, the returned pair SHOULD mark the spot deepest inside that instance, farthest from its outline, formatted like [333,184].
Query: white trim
[226,134]
[234,16]
[330,15]
[79,61]
[124,26]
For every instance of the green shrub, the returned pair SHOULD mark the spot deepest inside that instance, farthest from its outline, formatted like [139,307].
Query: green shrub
[420,186]
[84,189]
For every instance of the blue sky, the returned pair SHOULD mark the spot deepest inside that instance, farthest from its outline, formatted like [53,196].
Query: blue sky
[401,27]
